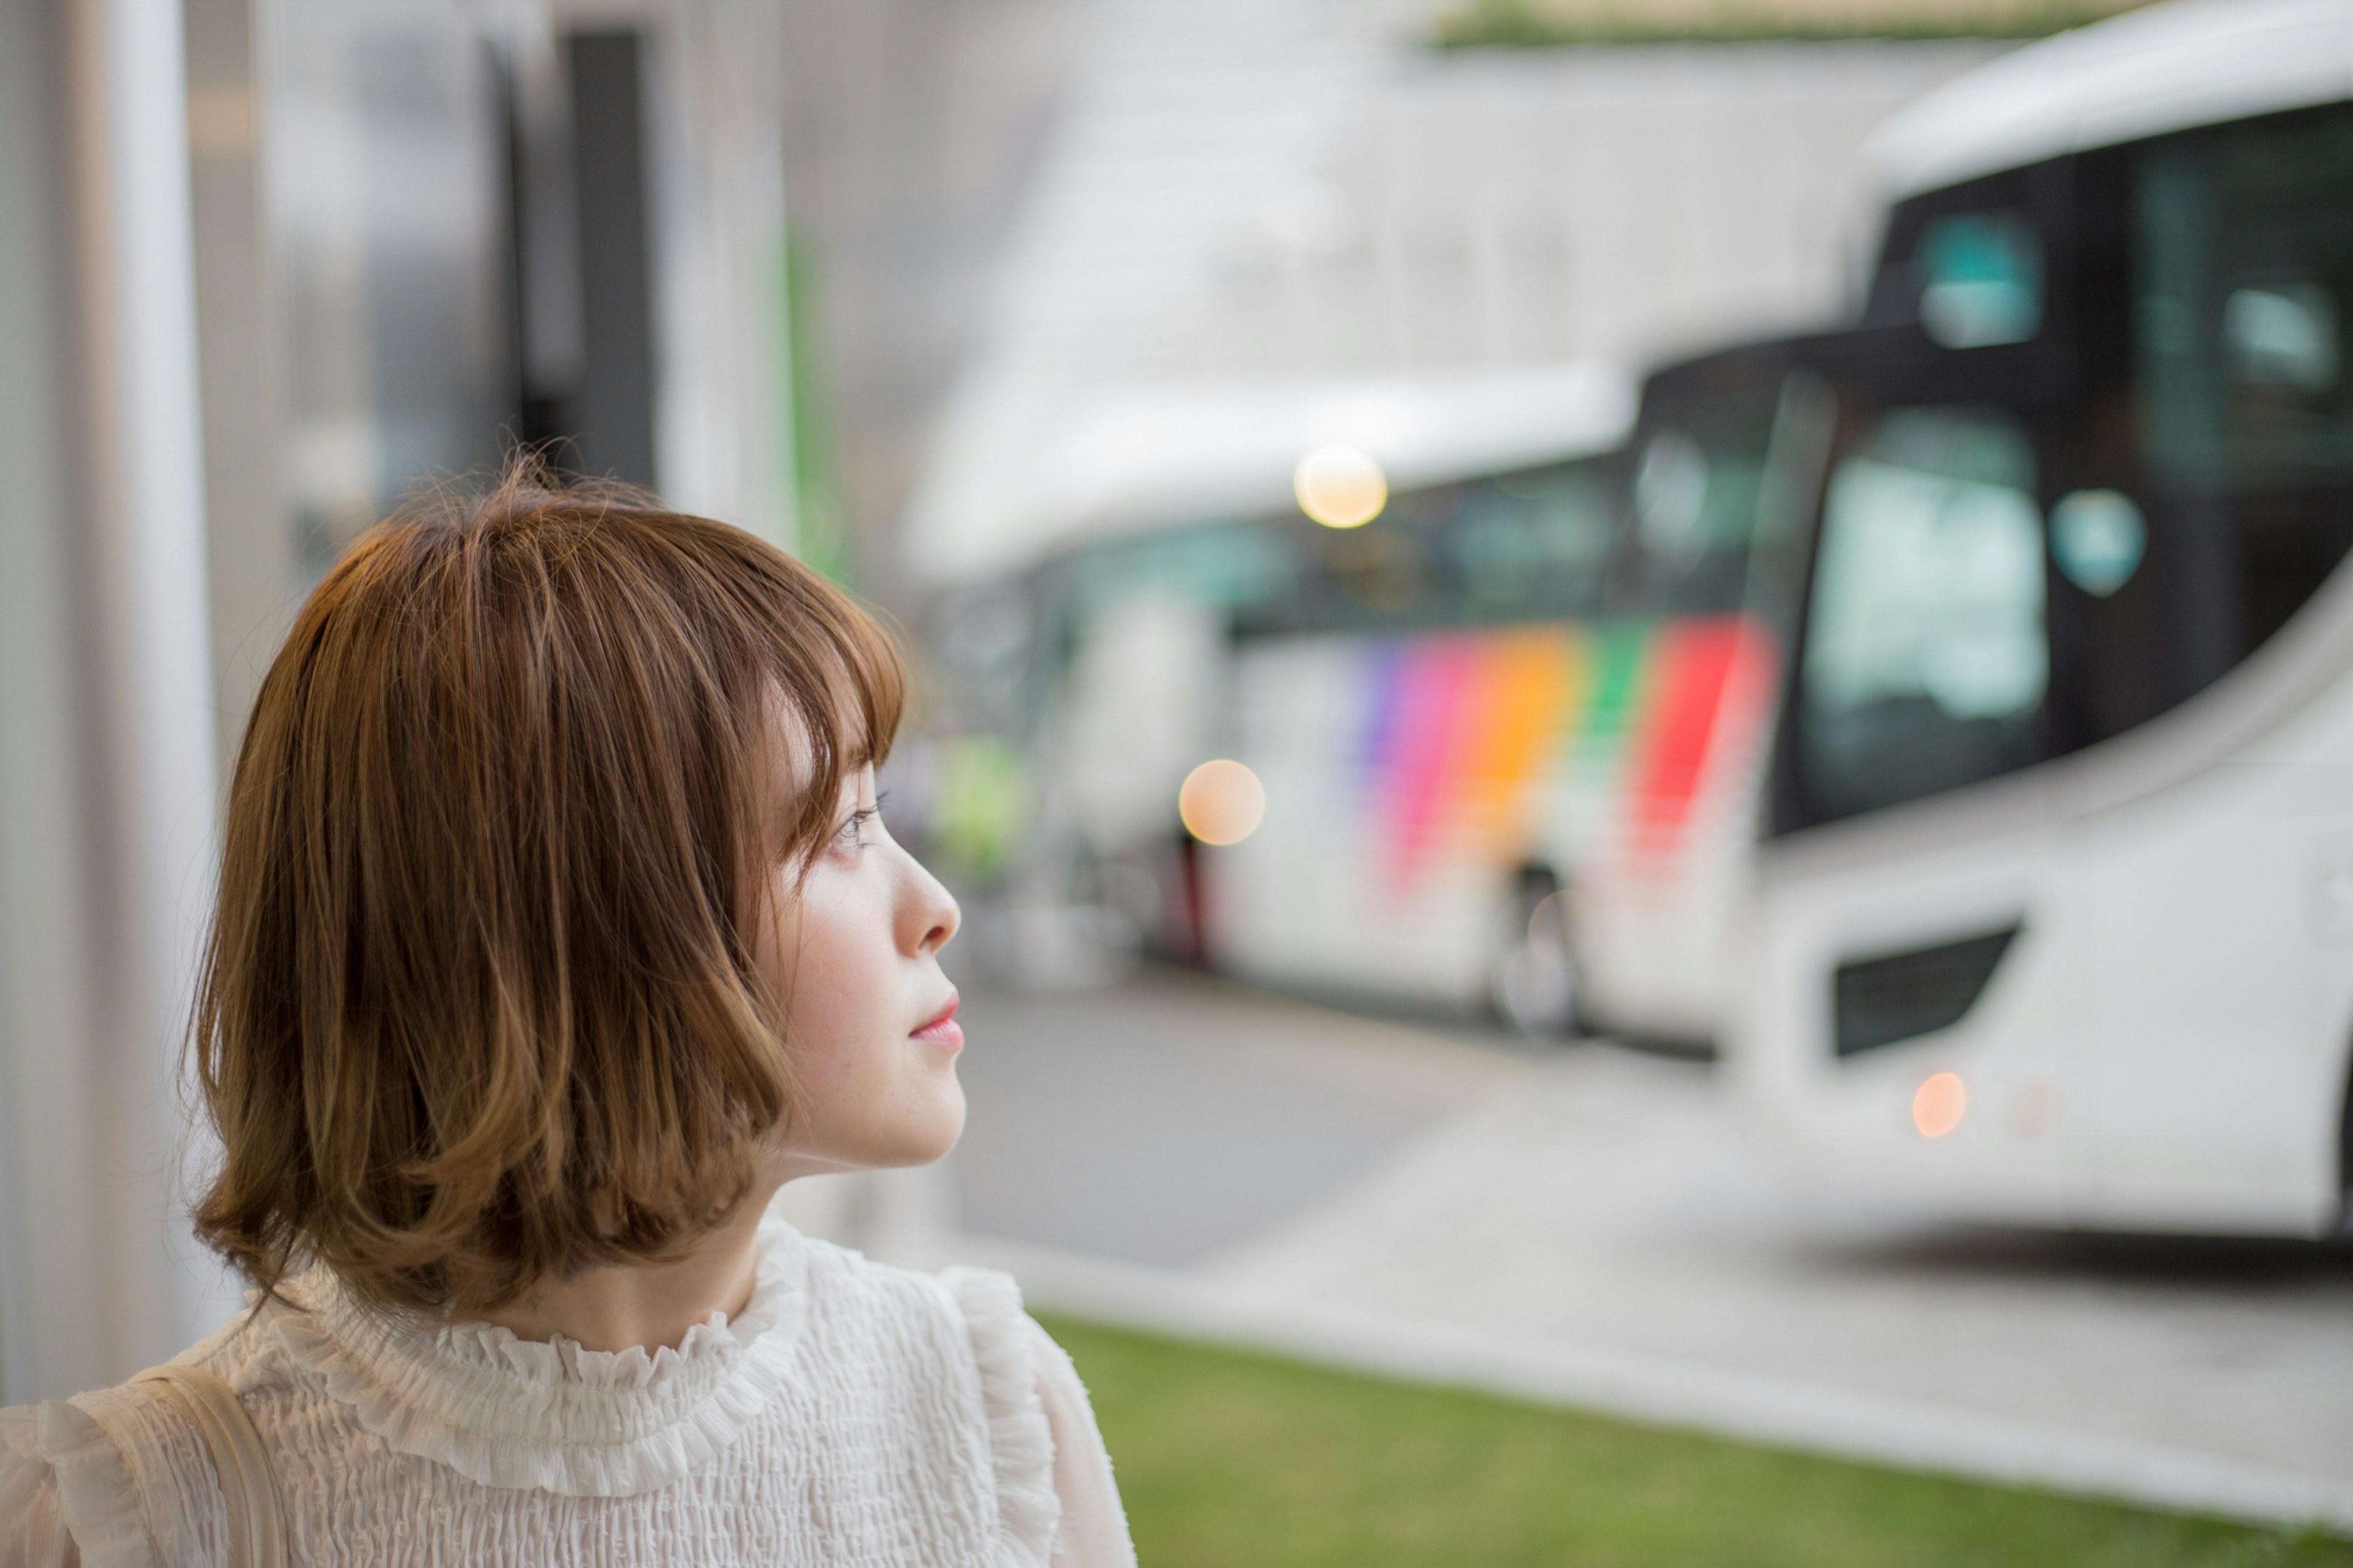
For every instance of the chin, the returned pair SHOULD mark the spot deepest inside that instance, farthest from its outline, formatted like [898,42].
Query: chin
[926,1137]
[907,1129]
[941,1139]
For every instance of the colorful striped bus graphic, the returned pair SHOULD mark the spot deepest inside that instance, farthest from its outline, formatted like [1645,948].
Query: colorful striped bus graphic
[1475,736]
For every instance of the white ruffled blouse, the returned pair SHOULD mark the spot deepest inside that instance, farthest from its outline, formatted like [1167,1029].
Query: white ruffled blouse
[852,1415]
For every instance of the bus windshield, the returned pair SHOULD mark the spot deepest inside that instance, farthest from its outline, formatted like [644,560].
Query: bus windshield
[1700,489]
[2049,560]
[1925,661]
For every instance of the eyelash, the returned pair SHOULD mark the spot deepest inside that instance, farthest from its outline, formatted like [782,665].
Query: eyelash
[848,832]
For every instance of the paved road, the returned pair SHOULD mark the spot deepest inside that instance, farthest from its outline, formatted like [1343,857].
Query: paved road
[1172,1119]
[1594,1198]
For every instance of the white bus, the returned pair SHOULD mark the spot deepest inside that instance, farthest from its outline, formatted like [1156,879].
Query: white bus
[1511,746]
[1512,733]
[2054,920]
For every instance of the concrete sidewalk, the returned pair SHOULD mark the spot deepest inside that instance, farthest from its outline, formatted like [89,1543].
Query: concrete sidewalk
[1593,1228]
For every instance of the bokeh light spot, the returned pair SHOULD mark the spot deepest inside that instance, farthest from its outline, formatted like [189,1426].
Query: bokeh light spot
[1221,802]
[1939,1104]
[1340,487]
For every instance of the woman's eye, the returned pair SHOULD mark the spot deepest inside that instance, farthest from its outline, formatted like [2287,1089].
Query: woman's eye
[849,836]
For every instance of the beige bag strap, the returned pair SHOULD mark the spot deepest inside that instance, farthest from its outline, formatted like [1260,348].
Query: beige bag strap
[257,1509]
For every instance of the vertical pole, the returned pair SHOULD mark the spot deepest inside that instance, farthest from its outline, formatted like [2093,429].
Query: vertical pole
[724,424]
[106,716]
[45,994]
[253,566]
[612,411]
[146,659]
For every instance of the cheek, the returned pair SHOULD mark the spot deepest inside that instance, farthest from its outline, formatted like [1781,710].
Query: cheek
[869,1095]
[838,980]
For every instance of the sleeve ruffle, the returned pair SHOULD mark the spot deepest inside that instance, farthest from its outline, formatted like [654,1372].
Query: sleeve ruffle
[1020,1442]
[1093,1532]
[64,1488]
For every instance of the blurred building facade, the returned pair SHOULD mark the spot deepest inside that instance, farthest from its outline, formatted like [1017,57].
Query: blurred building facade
[1306,202]
[912,130]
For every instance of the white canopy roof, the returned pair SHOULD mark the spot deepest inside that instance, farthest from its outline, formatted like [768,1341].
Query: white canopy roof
[2168,67]
[1149,456]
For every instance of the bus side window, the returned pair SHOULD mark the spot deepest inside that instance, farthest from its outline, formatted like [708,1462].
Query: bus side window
[2242,322]
[1926,657]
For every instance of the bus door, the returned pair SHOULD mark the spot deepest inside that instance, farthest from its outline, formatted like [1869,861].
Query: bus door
[2214,501]
[1721,476]
[1915,969]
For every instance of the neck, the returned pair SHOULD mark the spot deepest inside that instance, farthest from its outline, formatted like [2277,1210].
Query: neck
[649,1305]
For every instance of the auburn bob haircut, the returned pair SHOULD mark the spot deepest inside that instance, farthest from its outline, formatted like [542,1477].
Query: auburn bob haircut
[477,1009]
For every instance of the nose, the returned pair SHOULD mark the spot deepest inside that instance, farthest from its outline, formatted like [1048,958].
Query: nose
[928,913]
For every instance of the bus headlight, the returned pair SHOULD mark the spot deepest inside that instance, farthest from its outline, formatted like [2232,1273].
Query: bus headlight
[1939,1103]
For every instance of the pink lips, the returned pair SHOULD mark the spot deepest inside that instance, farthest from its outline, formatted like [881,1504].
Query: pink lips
[942,1030]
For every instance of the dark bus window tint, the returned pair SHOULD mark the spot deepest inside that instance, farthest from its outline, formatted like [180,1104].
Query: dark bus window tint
[1225,568]
[1692,491]
[1980,278]
[1222,565]
[1517,536]
[2244,300]
[1968,264]
[1527,545]
[1926,659]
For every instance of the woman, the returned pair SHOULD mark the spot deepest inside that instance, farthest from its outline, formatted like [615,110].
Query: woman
[557,931]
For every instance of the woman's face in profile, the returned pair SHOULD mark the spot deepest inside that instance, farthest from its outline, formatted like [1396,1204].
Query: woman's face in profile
[853,947]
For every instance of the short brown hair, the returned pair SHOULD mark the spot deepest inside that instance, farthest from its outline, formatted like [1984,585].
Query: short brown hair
[477,1008]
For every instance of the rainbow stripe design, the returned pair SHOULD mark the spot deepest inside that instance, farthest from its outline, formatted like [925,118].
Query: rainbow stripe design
[1468,736]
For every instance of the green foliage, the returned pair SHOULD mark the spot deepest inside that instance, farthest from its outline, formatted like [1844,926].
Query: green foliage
[1244,1460]
[821,537]
[1531,24]
[984,804]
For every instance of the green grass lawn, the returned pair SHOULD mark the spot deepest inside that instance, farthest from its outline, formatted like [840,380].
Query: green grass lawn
[1230,1460]
[1552,24]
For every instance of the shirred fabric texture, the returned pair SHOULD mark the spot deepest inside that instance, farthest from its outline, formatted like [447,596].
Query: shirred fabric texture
[852,1415]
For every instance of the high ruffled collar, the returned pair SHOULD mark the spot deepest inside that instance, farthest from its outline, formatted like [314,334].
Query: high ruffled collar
[512,1412]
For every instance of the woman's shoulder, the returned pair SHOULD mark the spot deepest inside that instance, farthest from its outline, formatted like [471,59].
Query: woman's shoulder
[67,1496]
[1017,1363]
[976,1321]
[979,1309]
[114,1477]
